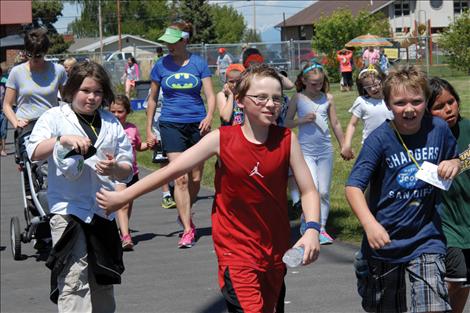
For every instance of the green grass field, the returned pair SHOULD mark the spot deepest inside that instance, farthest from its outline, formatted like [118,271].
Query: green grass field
[342,223]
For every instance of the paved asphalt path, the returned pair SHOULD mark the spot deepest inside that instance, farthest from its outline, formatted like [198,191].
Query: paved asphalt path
[159,277]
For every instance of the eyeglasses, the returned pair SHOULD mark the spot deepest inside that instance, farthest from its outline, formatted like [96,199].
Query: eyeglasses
[35,56]
[263,99]
[374,85]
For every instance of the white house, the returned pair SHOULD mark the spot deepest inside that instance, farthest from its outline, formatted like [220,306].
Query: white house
[111,44]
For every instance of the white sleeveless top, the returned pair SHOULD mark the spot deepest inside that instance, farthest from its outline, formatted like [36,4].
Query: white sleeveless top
[313,140]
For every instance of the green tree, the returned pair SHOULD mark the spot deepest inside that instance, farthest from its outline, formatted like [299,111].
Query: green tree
[456,42]
[334,31]
[251,35]
[145,18]
[45,14]
[229,25]
[198,13]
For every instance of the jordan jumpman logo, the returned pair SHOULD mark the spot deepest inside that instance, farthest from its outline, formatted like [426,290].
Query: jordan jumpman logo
[255,171]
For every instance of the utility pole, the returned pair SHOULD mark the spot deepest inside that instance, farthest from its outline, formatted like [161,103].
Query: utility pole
[254,16]
[101,30]
[283,29]
[119,24]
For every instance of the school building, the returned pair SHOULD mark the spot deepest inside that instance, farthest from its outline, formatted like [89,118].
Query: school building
[403,15]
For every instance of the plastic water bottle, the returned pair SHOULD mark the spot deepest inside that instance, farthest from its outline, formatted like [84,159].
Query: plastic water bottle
[294,257]
[361,268]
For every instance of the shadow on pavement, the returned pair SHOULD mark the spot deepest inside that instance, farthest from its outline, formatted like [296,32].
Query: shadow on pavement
[204,231]
[144,237]
[218,306]
[210,197]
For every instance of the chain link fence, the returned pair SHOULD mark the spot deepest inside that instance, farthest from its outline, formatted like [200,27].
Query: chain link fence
[290,56]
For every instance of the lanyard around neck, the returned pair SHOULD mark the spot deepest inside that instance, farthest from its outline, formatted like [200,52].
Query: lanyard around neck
[404,145]
[90,124]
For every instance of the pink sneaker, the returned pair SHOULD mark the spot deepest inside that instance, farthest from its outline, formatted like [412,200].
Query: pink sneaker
[127,244]
[325,238]
[188,239]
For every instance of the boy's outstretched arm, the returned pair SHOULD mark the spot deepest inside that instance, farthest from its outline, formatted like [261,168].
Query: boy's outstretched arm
[310,200]
[111,201]
[377,236]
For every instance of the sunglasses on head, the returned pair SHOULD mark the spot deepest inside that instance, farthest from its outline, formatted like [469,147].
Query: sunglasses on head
[36,55]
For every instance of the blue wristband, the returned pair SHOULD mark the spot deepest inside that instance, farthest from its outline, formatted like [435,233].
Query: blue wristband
[313,225]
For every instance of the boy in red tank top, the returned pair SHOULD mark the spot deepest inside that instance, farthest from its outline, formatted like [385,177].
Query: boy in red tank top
[251,229]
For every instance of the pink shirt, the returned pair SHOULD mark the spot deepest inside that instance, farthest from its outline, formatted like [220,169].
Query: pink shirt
[371,57]
[133,134]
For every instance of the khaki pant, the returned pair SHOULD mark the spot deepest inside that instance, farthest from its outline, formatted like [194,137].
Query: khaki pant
[78,290]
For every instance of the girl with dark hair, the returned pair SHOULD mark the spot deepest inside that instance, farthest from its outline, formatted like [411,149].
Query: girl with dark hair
[314,108]
[131,75]
[86,149]
[444,102]
[121,108]
[369,107]
[184,121]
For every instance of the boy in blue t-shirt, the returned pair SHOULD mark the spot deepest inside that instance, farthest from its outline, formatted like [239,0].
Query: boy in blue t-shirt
[402,226]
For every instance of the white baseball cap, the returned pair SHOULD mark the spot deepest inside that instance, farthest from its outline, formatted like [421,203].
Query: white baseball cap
[70,167]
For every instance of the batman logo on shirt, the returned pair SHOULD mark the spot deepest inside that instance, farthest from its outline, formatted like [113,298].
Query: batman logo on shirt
[182,81]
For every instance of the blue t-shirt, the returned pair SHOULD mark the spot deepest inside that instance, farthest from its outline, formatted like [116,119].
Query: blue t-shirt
[405,206]
[181,86]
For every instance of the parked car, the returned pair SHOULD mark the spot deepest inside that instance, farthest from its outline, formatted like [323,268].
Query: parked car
[119,56]
[275,59]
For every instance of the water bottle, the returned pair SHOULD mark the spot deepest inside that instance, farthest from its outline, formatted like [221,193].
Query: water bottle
[294,257]
[361,268]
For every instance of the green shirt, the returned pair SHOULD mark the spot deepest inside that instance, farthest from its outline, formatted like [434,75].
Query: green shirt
[456,201]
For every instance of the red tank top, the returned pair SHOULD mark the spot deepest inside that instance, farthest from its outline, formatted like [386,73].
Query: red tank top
[250,225]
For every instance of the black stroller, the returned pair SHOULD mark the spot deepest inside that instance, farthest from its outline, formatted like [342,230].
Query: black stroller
[33,177]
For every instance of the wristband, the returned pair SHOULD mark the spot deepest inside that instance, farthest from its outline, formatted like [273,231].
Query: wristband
[313,225]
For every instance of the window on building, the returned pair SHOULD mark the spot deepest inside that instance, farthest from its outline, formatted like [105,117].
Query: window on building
[302,33]
[398,30]
[436,4]
[402,7]
[460,6]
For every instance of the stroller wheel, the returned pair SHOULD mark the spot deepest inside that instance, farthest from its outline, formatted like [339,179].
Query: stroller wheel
[15,238]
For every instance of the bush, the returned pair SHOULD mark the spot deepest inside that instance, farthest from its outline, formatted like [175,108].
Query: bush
[332,69]
[456,42]
[334,31]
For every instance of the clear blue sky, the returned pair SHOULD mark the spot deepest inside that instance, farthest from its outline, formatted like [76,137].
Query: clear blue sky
[268,14]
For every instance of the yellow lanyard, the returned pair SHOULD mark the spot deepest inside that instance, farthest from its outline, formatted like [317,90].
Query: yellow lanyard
[89,124]
[404,146]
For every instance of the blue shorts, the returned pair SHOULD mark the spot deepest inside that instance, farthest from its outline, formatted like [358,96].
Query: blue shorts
[385,286]
[3,125]
[178,137]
